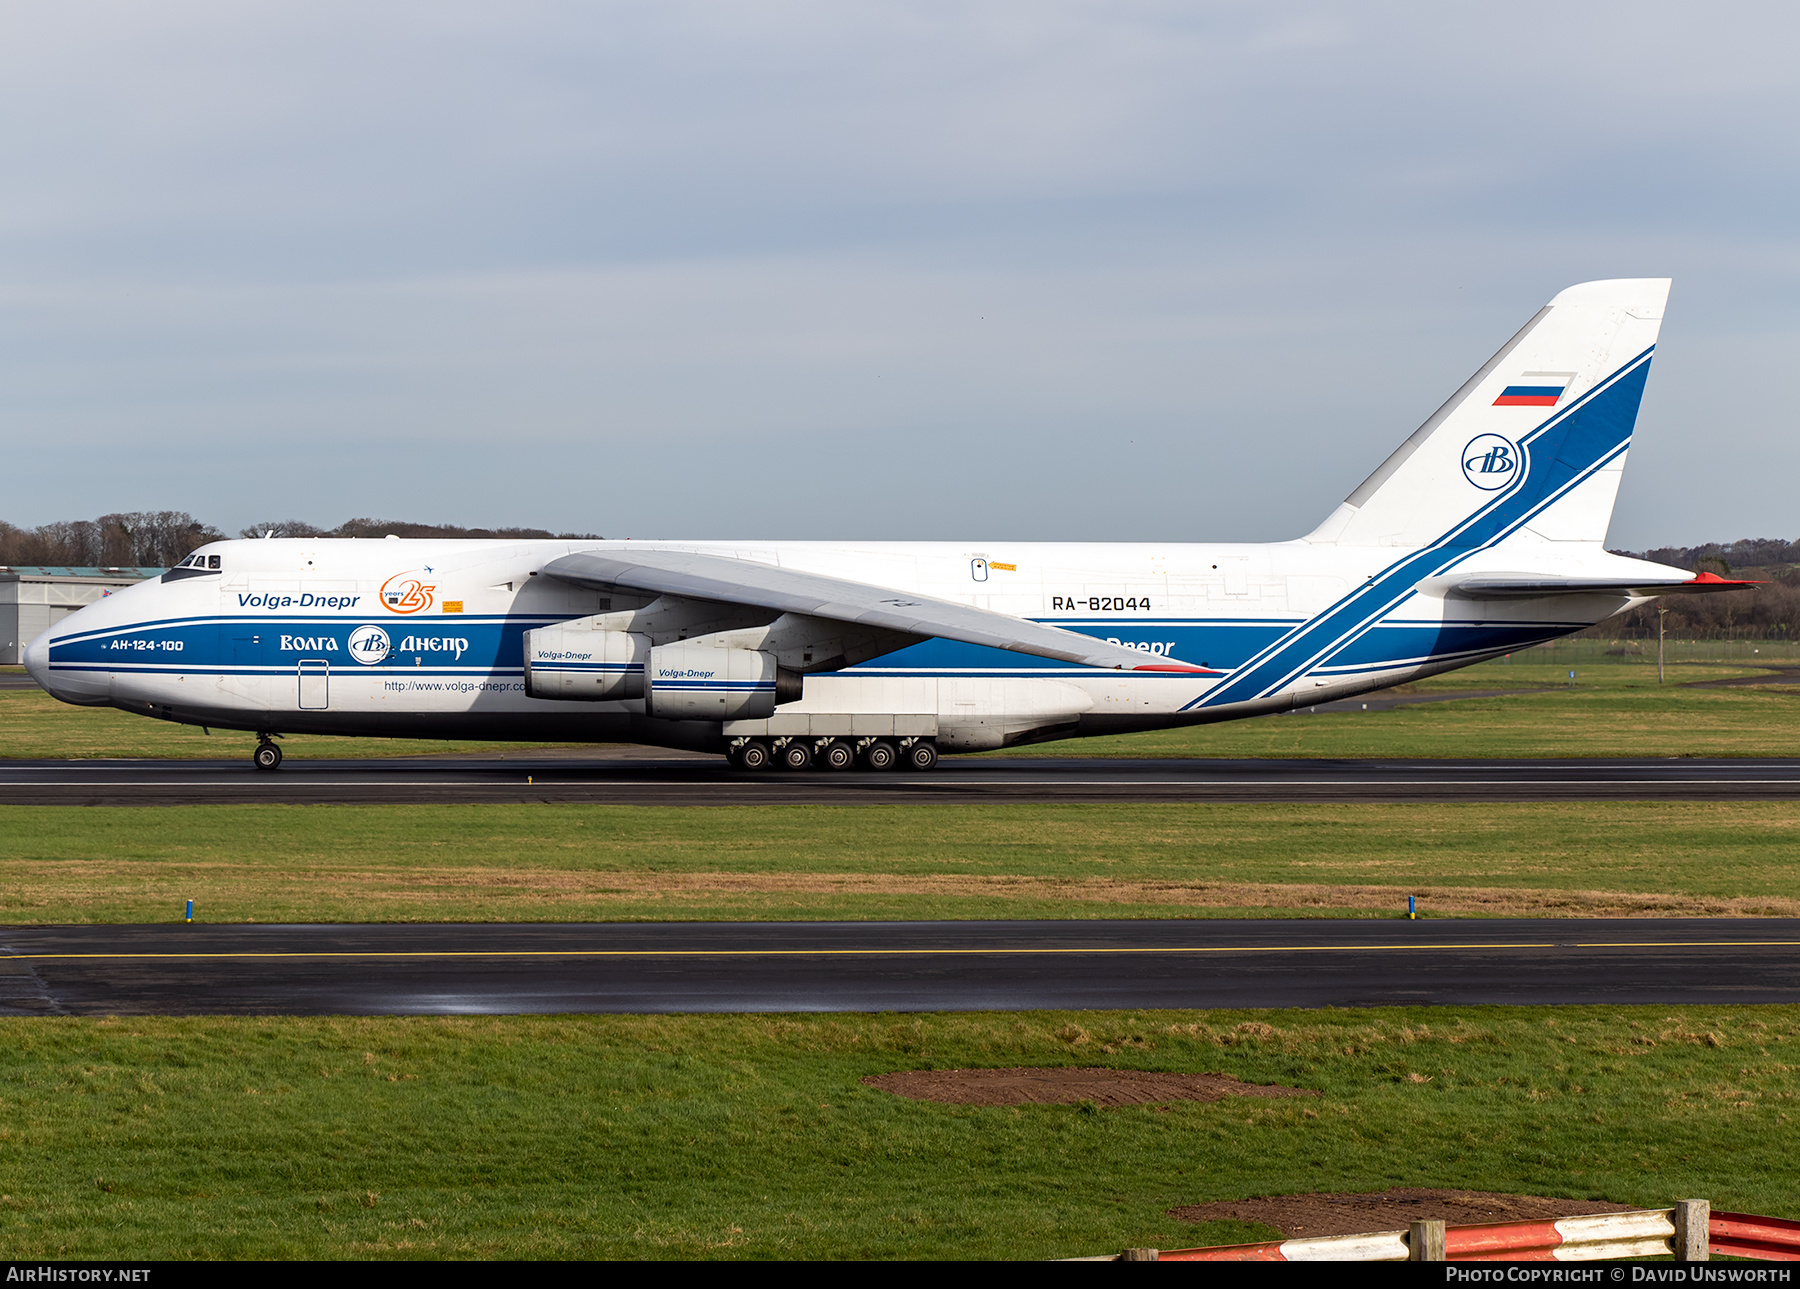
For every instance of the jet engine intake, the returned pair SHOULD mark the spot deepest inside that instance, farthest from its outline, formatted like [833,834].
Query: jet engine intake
[567,661]
[689,682]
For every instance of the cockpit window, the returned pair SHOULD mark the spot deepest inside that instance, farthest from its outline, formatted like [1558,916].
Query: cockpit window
[195,565]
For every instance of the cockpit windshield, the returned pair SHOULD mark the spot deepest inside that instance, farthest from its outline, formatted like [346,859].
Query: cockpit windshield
[193,566]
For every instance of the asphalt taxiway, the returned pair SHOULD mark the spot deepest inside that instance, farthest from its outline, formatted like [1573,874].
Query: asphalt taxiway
[629,777]
[895,966]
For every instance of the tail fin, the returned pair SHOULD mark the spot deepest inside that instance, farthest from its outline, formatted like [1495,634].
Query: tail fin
[1533,446]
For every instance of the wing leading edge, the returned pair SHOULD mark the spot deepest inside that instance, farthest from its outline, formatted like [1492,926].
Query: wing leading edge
[722,578]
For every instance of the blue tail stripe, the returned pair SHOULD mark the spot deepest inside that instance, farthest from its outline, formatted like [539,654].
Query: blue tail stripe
[1562,452]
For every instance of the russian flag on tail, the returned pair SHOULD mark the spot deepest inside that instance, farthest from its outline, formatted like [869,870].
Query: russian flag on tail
[1535,389]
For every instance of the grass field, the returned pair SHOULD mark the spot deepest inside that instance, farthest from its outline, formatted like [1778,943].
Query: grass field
[275,863]
[1614,708]
[34,725]
[1595,722]
[753,1137]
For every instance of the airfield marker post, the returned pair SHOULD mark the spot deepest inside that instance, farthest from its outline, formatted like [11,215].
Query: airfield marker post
[190,910]
[1693,1235]
[1425,1241]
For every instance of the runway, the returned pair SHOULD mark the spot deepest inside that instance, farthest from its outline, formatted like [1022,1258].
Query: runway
[890,966]
[636,777]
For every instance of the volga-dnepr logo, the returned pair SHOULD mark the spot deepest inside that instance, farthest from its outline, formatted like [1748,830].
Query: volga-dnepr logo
[370,645]
[1490,462]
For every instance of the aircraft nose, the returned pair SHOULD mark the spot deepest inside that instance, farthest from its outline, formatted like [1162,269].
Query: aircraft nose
[86,689]
[37,659]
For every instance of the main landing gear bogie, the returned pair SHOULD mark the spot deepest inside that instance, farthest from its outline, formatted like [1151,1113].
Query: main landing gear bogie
[752,754]
[917,754]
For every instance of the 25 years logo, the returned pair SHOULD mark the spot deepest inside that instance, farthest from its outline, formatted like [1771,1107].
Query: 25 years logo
[406,593]
[1490,462]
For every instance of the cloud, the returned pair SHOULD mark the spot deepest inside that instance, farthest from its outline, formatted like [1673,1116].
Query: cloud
[1053,270]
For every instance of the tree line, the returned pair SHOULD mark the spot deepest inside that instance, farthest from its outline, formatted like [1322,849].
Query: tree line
[396,528]
[161,538]
[133,539]
[1768,611]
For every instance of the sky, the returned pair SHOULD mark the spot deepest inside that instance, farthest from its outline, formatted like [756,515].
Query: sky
[1038,270]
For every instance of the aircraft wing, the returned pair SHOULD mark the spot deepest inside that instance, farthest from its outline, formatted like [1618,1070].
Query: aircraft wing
[1500,586]
[696,576]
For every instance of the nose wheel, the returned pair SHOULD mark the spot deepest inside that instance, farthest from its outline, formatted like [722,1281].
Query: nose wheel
[267,755]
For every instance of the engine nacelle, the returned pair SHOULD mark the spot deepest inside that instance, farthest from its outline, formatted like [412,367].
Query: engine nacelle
[573,662]
[696,682]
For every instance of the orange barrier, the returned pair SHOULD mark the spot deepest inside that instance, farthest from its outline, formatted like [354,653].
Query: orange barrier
[1502,1242]
[1376,1246]
[1689,1231]
[1644,1233]
[1744,1235]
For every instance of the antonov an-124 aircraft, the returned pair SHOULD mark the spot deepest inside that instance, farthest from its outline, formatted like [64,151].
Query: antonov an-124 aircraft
[1481,534]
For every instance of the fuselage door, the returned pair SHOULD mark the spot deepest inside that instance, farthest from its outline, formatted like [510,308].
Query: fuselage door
[315,684]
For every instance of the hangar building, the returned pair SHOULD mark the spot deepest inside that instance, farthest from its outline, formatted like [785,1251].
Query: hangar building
[32,600]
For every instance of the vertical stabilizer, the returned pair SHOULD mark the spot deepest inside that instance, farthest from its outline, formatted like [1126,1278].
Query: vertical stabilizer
[1533,446]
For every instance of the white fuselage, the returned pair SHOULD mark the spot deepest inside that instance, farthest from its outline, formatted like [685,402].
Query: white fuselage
[423,638]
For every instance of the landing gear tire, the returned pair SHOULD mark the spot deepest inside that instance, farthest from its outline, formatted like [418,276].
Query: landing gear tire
[836,755]
[267,756]
[796,755]
[751,756]
[921,755]
[880,755]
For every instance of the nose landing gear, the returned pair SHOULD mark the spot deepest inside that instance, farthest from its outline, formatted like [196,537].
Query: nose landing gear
[267,755]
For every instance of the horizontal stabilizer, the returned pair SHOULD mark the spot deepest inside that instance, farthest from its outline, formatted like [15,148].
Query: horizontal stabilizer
[1508,586]
[728,580]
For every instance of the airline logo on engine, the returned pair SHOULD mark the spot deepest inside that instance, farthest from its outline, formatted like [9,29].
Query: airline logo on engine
[406,593]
